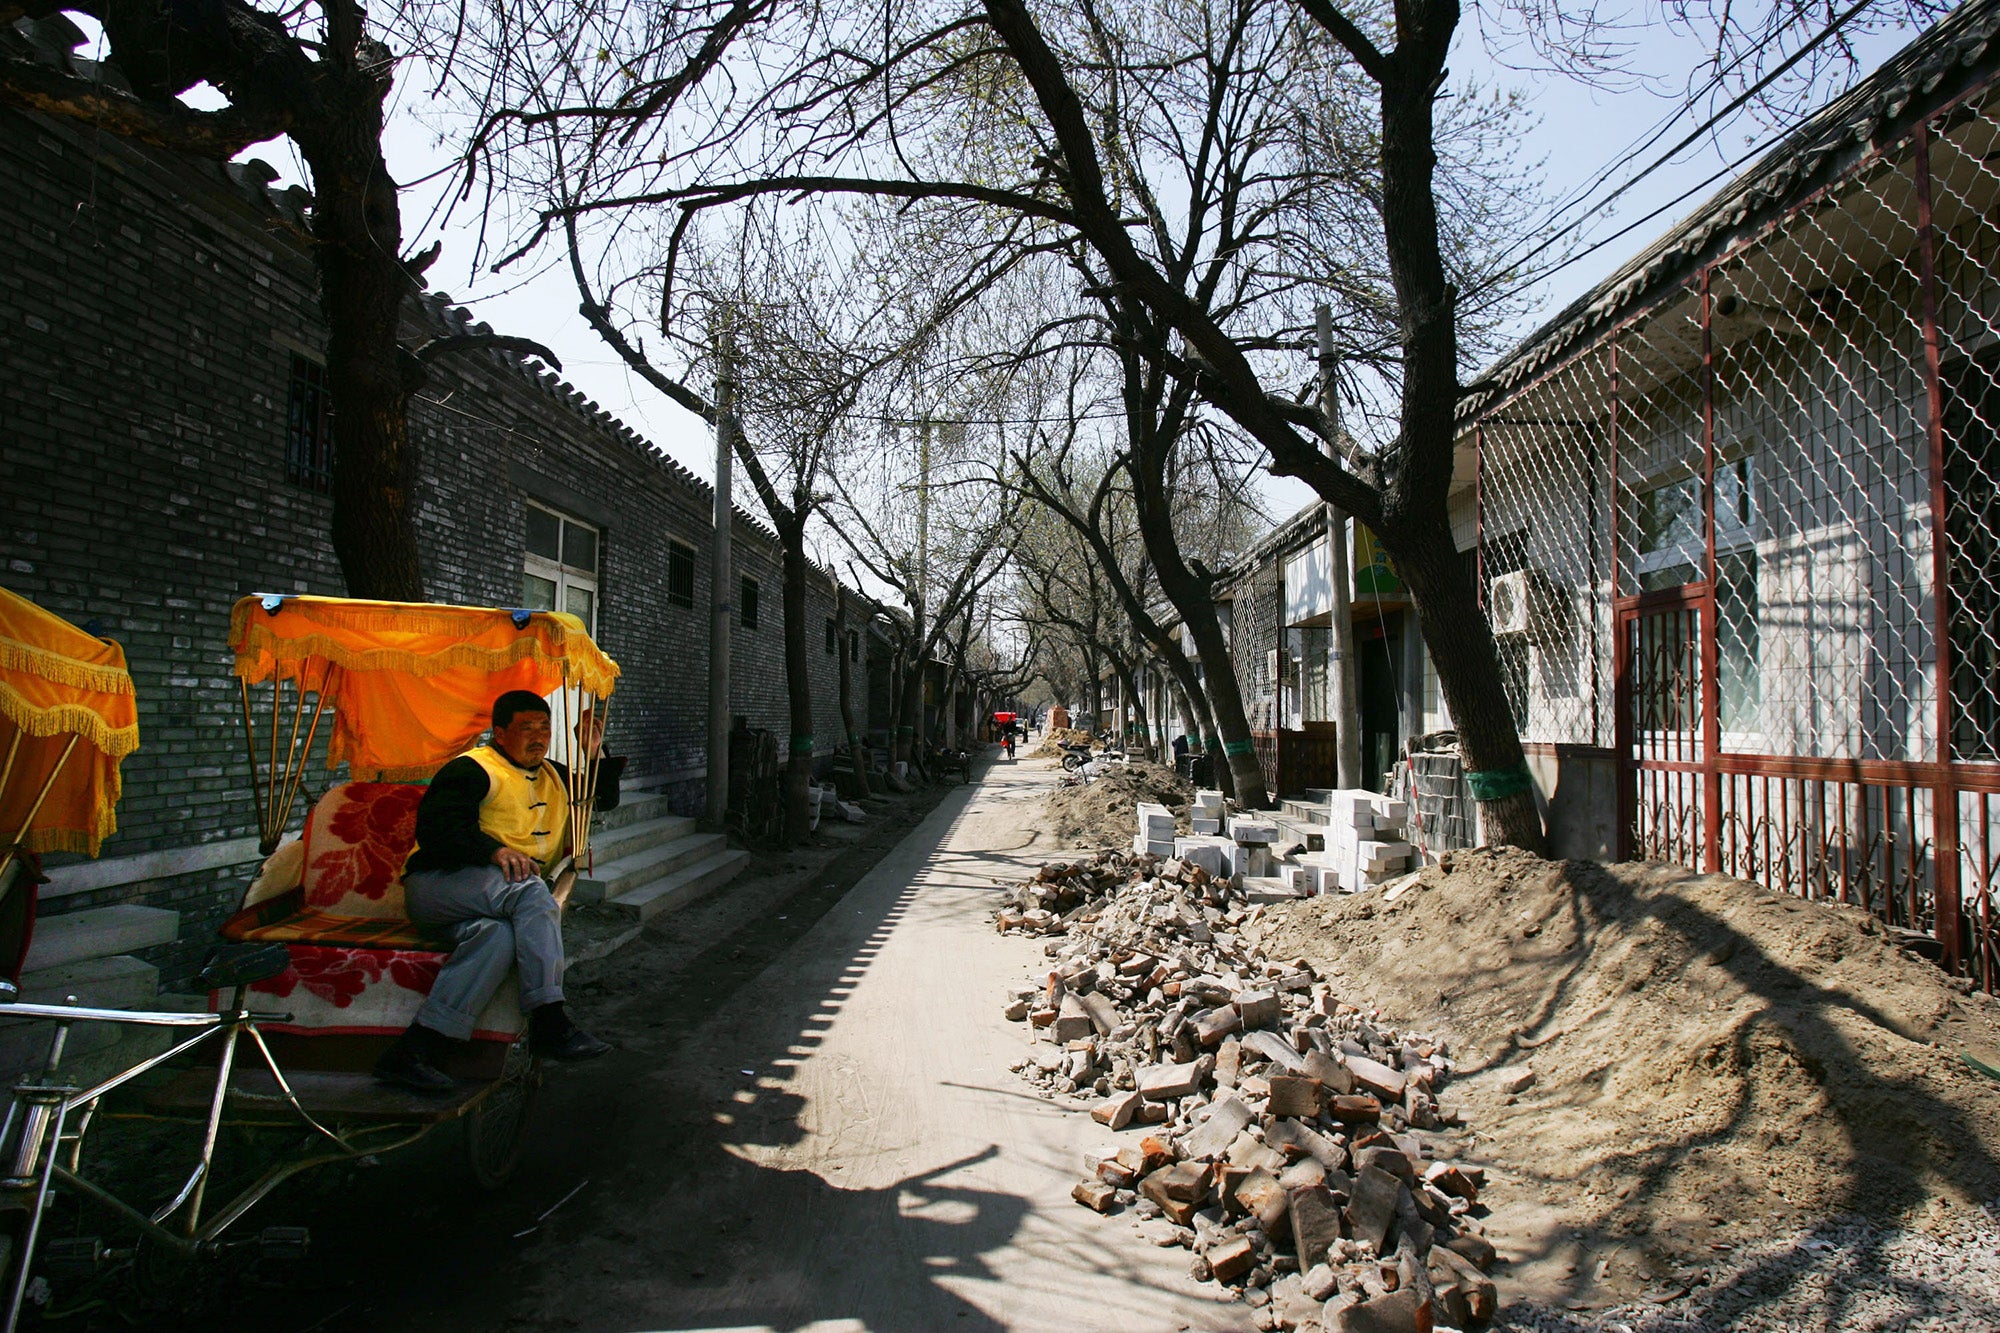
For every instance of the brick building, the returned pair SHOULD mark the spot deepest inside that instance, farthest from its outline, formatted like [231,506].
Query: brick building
[165,452]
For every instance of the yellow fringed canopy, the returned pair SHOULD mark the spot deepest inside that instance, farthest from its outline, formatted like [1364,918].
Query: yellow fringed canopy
[58,683]
[414,683]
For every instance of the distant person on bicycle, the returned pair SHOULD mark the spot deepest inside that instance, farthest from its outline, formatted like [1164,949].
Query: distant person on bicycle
[1007,740]
[491,823]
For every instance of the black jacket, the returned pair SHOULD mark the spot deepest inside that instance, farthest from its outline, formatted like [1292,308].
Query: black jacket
[448,832]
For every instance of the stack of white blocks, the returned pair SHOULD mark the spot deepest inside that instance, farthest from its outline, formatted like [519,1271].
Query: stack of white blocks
[1253,836]
[1205,818]
[1365,844]
[1156,830]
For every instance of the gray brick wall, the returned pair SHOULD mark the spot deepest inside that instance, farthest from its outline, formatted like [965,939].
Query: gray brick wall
[146,332]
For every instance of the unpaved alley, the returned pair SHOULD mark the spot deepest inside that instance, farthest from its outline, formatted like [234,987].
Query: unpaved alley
[836,1145]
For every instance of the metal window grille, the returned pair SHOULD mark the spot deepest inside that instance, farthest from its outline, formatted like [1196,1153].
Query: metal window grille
[308,426]
[1740,505]
[680,574]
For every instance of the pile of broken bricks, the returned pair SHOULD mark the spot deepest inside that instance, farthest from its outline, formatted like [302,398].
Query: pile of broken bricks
[1282,1135]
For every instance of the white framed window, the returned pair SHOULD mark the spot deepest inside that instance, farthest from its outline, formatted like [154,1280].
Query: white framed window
[559,572]
[1672,550]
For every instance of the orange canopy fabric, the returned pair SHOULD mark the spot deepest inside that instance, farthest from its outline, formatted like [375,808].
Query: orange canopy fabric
[58,684]
[413,683]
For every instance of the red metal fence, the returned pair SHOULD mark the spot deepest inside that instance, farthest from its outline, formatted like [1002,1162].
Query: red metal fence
[1751,543]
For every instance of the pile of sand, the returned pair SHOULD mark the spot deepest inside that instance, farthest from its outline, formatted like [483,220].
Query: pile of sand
[1051,746]
[1104,812]
[1711,1060]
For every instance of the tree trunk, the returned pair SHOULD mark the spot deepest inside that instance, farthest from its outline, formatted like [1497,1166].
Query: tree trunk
[357,227]
[1468,668]
[798,686]
[857,746]
[1128,680]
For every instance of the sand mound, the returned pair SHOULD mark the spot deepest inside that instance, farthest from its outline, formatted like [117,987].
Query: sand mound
[1711,1059]
[1051,746]
[1102,814]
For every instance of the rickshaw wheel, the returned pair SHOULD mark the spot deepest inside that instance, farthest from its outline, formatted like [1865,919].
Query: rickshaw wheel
[496,1129]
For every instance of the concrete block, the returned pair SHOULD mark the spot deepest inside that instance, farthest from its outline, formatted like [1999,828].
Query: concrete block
[1232,1258]
[1115,1111]
[1258,1008]
[1165,1082]
[1253,829]
[1315,1220]
[1095,1195]
[1295,1095]
[1212,1137]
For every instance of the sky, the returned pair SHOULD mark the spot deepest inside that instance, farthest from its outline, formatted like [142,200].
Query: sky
[1576,130]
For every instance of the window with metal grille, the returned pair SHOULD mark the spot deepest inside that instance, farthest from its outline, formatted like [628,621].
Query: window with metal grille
[308,426]
[749,602]
[680,574]
[1972,549]
[560,569]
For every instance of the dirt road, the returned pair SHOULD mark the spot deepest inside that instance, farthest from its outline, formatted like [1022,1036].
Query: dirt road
[838,1145]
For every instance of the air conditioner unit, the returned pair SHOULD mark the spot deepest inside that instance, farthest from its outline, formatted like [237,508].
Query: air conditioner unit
[1524,602]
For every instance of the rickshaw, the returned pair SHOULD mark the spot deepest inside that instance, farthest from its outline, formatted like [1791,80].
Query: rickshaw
[320,943]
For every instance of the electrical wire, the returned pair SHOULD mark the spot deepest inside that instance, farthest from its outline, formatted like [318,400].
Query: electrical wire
[1734,105]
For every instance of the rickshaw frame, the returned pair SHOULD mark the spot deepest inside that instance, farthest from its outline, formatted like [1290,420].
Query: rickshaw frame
[42,1135]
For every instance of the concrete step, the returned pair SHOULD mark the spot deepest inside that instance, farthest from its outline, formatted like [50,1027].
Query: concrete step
[684,886]
[99,932]
[118,982]
[94,1051]
[1304,812]
[634,807]
[615,879]
[615,844]
[1290,831]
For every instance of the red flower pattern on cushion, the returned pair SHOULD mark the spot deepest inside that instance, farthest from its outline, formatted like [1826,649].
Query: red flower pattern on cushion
[371,833]
[339,976]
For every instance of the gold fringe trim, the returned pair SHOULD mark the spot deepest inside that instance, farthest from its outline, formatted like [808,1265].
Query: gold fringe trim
[598,679]
[68,720]
[54,666]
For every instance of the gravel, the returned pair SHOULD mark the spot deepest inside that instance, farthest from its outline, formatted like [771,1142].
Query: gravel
[1849,1275]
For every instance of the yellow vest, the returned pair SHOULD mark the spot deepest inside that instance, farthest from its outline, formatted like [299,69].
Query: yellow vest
[528,812]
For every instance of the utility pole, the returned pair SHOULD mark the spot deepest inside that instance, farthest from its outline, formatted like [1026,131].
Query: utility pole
[1346,704]
[721,606]
[920,603]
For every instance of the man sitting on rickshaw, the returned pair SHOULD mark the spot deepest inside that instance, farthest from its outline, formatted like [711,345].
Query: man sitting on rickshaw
[489,828]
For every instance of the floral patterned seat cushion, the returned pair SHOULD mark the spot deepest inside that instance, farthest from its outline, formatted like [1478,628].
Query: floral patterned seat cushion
[357,838]
[359,965]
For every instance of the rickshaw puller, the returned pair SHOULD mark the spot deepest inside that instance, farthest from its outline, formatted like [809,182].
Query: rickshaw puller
[491,821]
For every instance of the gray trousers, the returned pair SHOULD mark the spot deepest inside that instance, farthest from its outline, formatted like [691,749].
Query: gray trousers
[495,926]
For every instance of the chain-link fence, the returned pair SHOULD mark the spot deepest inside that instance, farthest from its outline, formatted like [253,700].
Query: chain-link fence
[1713,531]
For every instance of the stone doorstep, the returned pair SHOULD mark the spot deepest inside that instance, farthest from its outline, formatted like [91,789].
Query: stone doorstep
[682,886]
[623,840]
[634,807]
[99,932]
[620,877]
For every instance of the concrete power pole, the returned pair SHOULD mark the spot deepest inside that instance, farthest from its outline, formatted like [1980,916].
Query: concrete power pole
[721,605]
[1346,704]
[921,602]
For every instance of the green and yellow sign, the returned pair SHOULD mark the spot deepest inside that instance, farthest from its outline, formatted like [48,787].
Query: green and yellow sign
[1374,575]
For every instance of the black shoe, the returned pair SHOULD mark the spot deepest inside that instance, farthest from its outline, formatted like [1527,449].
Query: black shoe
[570,1045]
[407,1064]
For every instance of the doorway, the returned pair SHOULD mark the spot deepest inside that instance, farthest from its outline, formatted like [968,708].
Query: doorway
[1378,649]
